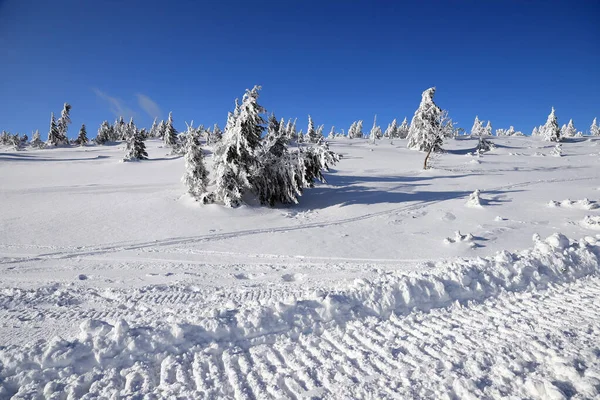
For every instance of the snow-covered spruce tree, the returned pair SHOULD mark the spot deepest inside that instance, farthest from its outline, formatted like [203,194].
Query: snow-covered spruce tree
[105,133]
[301,137]
[375,131]
[63,124]
[392,130]
[477,129]
[425,125]
[551,130]
[82,138]
[570,130]
[15,142]
[484,145]
[535,131]
[510,131]
[235,157]
[170,135]
[351,130]
[153,129]
[129,130]
[119,130]
[444,128]
[136,149]
[36,141]
[487,131]
[195,177]
[594,128]
[355,131]
[311,133]
[54,138]
[403,129]
[216,134]
[320,136]
[331,134]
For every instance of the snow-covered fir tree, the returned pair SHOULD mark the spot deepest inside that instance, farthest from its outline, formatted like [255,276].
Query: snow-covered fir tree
[119,130]
[320,136]
[355,131]
[425,125]
[487,131]
[331,134]
[392,130]
[551,130]
[136,148]
[403,129]
[153,129]
[375,131]
[235,157]
[63,124]
[535,131]
[478,128]
[36,141]
[82,138]
[594,129]
[130,129]
[195,177]
[105,133]
[510,131]
[216,134]
[170,135]
[311,133]
[300,135]
[569,130]
[54,138]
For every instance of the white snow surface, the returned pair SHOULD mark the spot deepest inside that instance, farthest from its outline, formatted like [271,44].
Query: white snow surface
[115,284]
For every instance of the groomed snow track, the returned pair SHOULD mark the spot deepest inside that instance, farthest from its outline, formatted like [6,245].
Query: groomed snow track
[517,325]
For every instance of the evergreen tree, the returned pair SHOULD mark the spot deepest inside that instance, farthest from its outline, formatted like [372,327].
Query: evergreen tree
[195,177]
[62,124]
[36,141]
[217,134]
[236,155]
[119,130]
[425,125]
[136,149]
[477,129]
[331,133]
[170,138]
[54,138]
[375,131]
[535,131]
[355,131]
[154,129]
[594,129]
[510,131]
[351,130]
[129,130]
[488,129]
[82,139]
[311,133]
[551,130]
[403,129]
[105,133]
[392,130]
[300,135]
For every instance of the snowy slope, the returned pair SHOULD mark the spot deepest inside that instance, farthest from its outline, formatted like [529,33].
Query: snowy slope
[364,289]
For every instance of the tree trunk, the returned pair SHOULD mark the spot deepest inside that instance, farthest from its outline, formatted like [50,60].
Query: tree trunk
[427,157]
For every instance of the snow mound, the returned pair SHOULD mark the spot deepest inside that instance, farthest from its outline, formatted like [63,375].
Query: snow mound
[458,238]
[591,222]
[475,199]
[121,359]
[584,204]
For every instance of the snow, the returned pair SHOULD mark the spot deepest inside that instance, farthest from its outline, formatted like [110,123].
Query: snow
[114,283]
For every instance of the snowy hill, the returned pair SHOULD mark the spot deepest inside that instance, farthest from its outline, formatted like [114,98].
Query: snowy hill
[387,282]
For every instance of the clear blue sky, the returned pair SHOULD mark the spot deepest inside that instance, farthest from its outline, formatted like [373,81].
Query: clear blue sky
[338,60]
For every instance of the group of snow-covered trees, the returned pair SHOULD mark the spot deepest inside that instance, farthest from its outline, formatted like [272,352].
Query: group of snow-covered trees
[247,162]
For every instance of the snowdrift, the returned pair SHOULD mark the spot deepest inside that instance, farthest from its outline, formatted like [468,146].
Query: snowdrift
[108,357]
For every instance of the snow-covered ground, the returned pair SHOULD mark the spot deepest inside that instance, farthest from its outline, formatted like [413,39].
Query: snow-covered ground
[386,282]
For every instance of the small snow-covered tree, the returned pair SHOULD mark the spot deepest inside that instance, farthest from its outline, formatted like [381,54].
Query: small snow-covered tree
[570,130]
[424,131]
[105,133]
[510,131]
[195,177]
[535,131]
[375,131]
[392,130]
[351,130]
[154,129]
[301,137]
[130,129]
[170,135]
[63,124]
[551,130]
[54,138]
[136,148]
[217,134]
[311,133]
[119,130]
[36,141]
[594,129]
[356,130]
[82,138]
[235,157]
[403,129]
[488,129]
[331,134]
[478,128]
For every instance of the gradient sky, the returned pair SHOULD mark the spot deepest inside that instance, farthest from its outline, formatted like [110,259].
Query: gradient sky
[338,60]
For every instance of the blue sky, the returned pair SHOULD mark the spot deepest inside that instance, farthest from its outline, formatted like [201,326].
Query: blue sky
[338,60]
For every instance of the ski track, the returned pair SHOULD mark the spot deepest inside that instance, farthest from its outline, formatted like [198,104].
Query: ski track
[116,247]
[538,344]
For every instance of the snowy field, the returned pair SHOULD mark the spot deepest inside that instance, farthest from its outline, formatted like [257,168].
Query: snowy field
[386,282]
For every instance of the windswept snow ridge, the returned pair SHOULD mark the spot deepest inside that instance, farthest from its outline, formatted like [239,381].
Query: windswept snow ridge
[276,347]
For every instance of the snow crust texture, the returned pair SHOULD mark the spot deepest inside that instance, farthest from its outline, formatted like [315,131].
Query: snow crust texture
[522,323]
